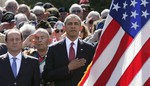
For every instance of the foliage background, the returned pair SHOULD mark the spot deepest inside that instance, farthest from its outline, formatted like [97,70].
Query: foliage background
[97,5]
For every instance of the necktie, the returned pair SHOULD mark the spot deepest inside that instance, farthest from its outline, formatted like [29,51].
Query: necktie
[71,52]
[14,66]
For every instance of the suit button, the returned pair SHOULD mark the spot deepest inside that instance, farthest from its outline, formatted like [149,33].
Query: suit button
[15,83]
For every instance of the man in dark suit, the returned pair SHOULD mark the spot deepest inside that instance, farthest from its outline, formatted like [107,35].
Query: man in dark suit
[16,69]
[3,48]
[65,66]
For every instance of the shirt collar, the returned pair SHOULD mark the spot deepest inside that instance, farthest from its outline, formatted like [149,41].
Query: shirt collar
[19,56]
[68,41]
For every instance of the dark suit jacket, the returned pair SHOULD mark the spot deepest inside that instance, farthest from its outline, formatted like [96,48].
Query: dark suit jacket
[56,68]
[3,48]
[29,74]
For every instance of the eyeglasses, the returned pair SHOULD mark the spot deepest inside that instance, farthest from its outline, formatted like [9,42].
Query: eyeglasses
[76,11]
[57,31]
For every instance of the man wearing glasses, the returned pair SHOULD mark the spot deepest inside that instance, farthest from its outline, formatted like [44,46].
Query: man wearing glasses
[76,9]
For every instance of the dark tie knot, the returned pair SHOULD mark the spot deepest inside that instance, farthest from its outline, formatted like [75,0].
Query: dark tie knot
[72,44]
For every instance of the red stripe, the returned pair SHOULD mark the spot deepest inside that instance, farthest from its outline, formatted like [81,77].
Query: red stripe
[107,36]
[147,83]
[124,43]
[135,65]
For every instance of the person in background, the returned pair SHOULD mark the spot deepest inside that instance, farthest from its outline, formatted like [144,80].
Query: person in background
[86,9]
[84,32]
[53,11]
[22,70]
[11,5]
[39,12]
[23,8]
[8,21]
[20,19]
[1,14]
[58,31]
[26,30]
[90,19]
[33,19]
[3,48]
[76,9]
[48,5]
[52,20]
[45,25]
[68,59]
[63,13]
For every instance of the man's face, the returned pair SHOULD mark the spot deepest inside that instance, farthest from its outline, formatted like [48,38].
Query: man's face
[14,41]
[63,15]
[77,11]
[72,27]
[41,40]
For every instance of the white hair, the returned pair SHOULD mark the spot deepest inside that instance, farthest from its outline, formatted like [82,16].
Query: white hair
[75,6]
[104,13]
[43,31]
[27,29]
[38,9]
[93,13]
[20,17]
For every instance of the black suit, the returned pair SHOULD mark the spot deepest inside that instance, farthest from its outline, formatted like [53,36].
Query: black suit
[3,48]
[28,75]
[56,68]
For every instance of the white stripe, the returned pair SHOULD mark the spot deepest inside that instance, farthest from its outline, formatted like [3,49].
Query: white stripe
[129,54]
[104,59]
[142,76]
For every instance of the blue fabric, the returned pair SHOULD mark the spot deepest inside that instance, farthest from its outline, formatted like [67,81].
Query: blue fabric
[14,67]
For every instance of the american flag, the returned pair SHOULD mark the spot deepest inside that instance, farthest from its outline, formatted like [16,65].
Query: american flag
[122,57]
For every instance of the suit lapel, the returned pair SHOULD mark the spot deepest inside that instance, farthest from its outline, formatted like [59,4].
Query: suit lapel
[8,66]
[63,43]
[79,49]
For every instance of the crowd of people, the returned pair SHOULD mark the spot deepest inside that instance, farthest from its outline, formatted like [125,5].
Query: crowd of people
[46,45]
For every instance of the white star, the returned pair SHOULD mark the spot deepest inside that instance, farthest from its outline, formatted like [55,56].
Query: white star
[133,3]
[134,14]
[124,5]
[134,25]
[144,2]
[116,7]
[124,16]
[145,14]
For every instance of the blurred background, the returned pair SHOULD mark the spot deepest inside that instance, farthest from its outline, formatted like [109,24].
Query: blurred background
[97,5]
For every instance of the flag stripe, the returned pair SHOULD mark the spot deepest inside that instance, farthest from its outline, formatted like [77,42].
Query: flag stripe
[94,71]
[108,71]
[107,36]
[147,83]
[129,54]
[135,66]
[142,76]
[81,83]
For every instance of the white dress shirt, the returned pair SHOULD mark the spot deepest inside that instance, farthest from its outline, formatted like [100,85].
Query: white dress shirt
[18,60]
[68,44]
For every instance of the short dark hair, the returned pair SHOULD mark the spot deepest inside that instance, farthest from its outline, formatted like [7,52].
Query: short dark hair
[15,29]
